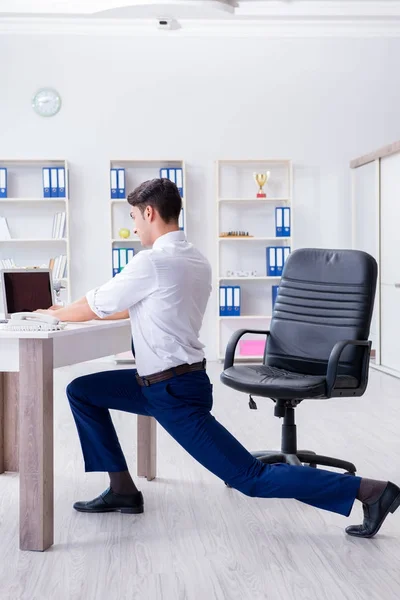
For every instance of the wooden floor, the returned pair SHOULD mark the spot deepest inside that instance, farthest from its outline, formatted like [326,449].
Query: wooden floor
[198,540]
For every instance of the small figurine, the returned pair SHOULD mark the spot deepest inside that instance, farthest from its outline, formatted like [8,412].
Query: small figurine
[235,234]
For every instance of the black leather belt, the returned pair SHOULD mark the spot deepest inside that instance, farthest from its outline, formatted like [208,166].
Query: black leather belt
[163,375]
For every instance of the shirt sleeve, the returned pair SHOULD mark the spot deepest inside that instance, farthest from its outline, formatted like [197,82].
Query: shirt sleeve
[137,281]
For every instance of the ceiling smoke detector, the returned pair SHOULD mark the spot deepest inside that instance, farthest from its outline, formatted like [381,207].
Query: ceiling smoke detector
[167,24]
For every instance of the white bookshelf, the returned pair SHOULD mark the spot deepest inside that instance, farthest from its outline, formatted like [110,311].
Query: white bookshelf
[239,209]
[136,172]
[30,217]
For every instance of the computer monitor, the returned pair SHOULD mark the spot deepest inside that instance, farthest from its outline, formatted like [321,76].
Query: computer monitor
[26,290]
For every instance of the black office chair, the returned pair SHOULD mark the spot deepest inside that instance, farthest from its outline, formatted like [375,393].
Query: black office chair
[317,346]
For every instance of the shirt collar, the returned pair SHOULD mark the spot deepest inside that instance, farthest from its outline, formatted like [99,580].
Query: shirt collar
[169,238]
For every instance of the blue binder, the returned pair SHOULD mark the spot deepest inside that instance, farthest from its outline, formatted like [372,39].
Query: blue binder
[115,269]
[130,253]
[279,212]
[46,182]
[286,221]
[179,180]
[61,182]
[274,295]
[123,258]
[279,260]
[3,182]
[121,183]
[229,301]
[286,252]
[54,182]
[172,175]
[114,183]
[271,261]
[222,301]
[164,173]
[236,300]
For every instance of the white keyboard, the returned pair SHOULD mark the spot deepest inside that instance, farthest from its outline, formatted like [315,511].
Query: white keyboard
[31,327]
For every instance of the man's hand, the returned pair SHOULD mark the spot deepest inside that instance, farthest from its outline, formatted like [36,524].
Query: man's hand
[49,311]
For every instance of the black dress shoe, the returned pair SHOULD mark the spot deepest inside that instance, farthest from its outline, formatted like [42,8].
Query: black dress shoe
[376,513]
[109,501]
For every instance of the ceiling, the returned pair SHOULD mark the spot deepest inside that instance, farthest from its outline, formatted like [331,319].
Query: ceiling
[201,9]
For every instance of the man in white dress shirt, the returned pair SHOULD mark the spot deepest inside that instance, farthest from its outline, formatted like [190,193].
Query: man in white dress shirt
[164,291]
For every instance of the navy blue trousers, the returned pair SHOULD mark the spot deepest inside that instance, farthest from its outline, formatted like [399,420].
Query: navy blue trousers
[182,406]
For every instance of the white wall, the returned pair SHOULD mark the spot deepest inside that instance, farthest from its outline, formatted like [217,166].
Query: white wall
[320,102]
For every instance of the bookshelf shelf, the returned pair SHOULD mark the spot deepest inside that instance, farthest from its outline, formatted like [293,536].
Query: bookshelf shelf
[248,317]
[256,358]
[244,279]
[254,200]
[252,239]
[33,240]
[22,200]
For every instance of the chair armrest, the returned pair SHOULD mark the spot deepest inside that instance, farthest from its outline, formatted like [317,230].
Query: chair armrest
[334,357]
[231,347]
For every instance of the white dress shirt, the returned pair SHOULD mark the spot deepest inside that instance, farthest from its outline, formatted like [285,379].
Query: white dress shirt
[166,290]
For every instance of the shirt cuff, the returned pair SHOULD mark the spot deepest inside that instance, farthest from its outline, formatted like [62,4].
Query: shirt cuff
[91,299]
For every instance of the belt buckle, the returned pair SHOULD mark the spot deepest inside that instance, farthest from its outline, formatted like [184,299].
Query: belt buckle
[143,380]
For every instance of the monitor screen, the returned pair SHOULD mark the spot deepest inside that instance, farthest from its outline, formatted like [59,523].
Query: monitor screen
[26,292]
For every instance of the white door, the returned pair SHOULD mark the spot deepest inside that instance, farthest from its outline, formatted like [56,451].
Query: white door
[366,225]
[390,263]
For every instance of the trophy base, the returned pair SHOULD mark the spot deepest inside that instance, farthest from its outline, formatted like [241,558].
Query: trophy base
[261,195]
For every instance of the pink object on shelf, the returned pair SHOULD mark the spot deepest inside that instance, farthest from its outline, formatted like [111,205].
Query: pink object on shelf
[251,347]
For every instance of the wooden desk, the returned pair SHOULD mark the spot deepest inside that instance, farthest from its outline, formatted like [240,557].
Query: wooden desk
[27,360]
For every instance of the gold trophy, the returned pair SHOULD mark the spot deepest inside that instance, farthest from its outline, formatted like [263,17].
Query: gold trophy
[261,179]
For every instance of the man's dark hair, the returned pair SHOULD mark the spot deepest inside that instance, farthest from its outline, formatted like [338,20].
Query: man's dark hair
[161,194]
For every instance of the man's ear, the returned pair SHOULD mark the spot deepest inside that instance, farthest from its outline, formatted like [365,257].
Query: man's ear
[150,213]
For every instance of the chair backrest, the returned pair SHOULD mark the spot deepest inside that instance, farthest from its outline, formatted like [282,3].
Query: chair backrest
[325,296]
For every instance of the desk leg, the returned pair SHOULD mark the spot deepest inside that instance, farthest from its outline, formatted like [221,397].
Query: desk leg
[146,447]
[9,399]
[36,444]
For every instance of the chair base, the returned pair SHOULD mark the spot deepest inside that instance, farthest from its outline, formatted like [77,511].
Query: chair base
[304,458]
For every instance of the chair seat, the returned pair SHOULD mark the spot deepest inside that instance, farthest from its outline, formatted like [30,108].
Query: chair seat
[271,382]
